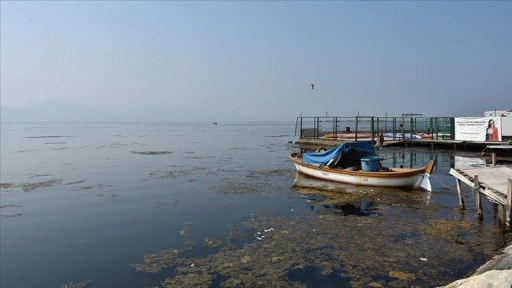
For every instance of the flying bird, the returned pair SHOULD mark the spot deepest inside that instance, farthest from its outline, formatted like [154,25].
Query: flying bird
[312,86]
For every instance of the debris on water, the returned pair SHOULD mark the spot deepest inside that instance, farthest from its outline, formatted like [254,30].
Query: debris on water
[211,242]
[74,182]
[12,215]
[274,256]
[82,284]
[107,195]
[7,185]
[402,275]
[446,229]
[169,202]
[239,188]
[245,259]
[10,206]
[156,262]
[190,245]
[27,187]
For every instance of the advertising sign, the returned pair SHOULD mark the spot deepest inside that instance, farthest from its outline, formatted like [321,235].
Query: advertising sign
[478,128]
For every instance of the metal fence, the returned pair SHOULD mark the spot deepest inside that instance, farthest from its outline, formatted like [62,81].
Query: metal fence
[368,127]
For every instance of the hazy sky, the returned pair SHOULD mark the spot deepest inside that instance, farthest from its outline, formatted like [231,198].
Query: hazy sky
[242,60]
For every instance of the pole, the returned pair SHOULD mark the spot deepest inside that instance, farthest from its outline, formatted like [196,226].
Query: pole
[478,197]
[509,204]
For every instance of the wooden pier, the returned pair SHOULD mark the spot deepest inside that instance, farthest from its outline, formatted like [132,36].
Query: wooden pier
[494,182]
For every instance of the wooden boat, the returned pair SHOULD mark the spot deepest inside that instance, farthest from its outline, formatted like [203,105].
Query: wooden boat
[341,164]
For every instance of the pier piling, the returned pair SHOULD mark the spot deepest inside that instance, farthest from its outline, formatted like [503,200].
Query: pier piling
[509,204]
[493,182]
[476,189]
[461,200]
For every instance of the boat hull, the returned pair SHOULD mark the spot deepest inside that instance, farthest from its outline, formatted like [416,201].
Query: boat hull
[405,178]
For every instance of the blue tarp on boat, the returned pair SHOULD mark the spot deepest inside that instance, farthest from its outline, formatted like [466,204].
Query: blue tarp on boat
[344,155]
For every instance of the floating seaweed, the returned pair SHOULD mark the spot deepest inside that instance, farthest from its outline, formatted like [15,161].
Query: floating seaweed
[9,206]
[335,246]
[12,215]
[27,187]
[151,152]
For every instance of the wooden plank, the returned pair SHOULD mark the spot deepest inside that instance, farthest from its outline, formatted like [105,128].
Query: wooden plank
[492,194]
[461,177]
[491,177]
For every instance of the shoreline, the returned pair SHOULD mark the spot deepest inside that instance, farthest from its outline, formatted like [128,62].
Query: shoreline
[497,272]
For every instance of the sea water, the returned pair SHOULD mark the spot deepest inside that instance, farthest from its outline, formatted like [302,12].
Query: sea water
[84,203]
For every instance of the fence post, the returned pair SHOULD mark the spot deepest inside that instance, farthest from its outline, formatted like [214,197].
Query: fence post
[300,133]
[335,128]
[373,130]
[394,128]
[357,127]
[316,131]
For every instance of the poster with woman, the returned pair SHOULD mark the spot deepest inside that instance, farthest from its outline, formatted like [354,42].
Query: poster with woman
[478,128]
[492,133]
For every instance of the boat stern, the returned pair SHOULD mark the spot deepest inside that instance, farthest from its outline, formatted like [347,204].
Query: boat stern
[424,183]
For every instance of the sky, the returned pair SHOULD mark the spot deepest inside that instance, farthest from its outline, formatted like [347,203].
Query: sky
[252,60]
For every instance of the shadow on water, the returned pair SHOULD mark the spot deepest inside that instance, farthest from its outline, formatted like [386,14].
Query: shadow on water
[362,208]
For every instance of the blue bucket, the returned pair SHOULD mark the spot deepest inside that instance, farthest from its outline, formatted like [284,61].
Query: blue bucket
[370,164]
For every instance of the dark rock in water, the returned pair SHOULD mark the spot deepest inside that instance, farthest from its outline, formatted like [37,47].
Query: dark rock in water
[459,241]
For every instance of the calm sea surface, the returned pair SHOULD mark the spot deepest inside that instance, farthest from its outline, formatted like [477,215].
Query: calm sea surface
[203,205]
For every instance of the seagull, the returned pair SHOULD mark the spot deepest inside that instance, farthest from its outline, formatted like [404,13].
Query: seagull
[312,86]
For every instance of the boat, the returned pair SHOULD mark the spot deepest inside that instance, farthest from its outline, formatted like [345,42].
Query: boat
[357,163]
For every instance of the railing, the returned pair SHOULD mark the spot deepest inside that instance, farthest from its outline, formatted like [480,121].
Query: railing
[368,127]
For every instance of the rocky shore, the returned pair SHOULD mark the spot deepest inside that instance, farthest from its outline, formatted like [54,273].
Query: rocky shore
[497,272]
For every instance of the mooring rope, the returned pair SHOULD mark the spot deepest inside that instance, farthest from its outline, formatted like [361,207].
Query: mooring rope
[442,184]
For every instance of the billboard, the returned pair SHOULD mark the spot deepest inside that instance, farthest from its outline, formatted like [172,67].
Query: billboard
[478,128]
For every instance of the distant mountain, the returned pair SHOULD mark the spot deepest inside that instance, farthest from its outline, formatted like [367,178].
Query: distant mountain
[62,112]
[55,112]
